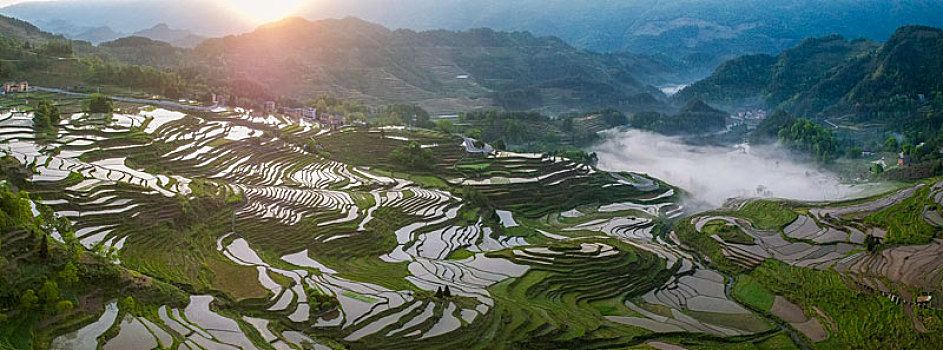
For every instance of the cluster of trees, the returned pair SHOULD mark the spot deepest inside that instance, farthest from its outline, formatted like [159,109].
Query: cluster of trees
[507,127]
[807,137]
[98,103]
[402,114]
[33,288]
[57,48]
[46,118]
[413,157]
[100,72]
[47,298]
[768,129]
[337,106]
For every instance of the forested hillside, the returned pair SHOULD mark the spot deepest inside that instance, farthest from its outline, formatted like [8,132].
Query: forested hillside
[442,69]
[897,84]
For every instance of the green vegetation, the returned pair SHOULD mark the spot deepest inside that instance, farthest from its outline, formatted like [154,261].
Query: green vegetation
[750,292]
[767,215]
[46,118]
[865,320]
[728,232]
[98,103]
[43,280]
[807,137]
[414,157]
[408,115]
[905,222]
[768,129]
[867,90]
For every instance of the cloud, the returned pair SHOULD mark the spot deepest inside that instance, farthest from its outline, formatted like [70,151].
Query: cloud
[714,174]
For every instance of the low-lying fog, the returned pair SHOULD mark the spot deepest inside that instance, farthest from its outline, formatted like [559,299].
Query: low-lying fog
[714,174]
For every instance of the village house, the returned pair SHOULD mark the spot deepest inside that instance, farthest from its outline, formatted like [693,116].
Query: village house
[269,106]
[903,159]
[309,113]
[331,119]
[12,86]
[292,112]
[219,99]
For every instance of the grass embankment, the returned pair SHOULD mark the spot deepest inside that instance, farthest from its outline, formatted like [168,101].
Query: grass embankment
[905,222]
[767,215]
[728,232]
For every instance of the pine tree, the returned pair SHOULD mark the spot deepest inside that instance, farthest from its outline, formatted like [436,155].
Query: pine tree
[447,293]
[438,292]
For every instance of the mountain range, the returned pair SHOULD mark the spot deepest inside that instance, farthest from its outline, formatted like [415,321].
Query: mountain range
[698,35]
[832,77]
[442,70]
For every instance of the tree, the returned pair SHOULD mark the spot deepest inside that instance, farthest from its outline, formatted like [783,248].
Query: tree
[414,156]
[807,137]
[891,145]
[28,299]
[64,306]
[46,117]
[98,103]
[69,273]
[127,304]
[411,115]
[49,293]
[447,292]
[445,126]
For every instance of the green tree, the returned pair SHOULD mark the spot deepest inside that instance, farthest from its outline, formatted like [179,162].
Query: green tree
[28,299]
[891,145]
[46,117]
[127,304]
[69,273]
[49,293]
[413,156]
[445,126]
[64,306]
[807,137]
[98,103]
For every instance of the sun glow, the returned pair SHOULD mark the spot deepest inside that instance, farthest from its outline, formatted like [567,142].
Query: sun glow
[261,11]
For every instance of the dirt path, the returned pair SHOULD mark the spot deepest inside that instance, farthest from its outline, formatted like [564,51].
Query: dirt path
[909,311]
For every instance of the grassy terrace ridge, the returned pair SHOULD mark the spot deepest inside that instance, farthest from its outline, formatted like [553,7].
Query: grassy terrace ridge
[905,221]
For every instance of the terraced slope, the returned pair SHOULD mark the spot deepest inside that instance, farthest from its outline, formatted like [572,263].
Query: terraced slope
[882,251]
[287,235]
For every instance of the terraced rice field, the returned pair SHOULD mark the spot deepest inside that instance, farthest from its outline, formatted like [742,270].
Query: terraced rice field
[832,237]
[291,236]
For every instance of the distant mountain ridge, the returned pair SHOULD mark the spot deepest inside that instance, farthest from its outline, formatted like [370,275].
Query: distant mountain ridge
[697,35]
[833,77]
[443,70]
[176,37]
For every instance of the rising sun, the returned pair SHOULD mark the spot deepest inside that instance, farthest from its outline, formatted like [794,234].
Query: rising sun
[261,11]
